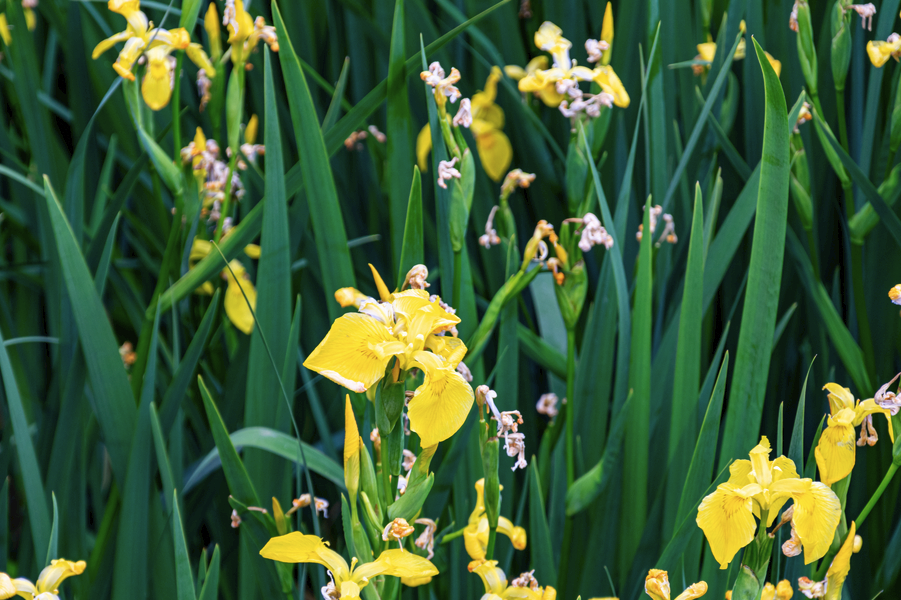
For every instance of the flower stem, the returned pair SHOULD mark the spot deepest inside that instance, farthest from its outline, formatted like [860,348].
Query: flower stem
[570,409]
[386,480]
[840,109]
[458,277]
[876,495]
[492,537]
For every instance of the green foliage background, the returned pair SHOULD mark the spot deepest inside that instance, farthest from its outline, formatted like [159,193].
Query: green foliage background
[715,339]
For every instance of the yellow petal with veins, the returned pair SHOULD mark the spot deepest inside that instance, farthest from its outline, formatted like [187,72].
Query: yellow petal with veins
[355,352]
[816,515]
[727,521]
[440,405]
[396,563]
[836,451]
[156,86]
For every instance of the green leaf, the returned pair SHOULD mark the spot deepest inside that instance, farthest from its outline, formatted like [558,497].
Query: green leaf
[683,420]
[184,578]
[334,108]
[400,124]
[162,457]
[188,18]
[412,252]
[588,487]
[210,588]
[758,321]
[635,459]
[35,496]
[409,505]
[239,483]
[477,341]
[169,172]
[273,306]
[113,401]
[539,350]
[796,446]
[542,555]
[262,438]
[133,537]
[848,351]
[325,212]
[53,546]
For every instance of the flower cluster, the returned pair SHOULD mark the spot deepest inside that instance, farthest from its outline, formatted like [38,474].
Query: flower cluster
[212,173]
[669,229]
[153,46]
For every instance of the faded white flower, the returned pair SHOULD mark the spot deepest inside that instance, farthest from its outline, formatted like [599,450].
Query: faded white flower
[464,114]
[447,171]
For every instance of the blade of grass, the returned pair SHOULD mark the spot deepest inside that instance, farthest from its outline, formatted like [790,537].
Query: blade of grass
[542,556]
[796,446]
[325,211]
[334,108]
[755,340]
[412,251]
[184,578]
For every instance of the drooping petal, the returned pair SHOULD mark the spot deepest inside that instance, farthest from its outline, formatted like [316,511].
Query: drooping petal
[7,587]
[880,51]
[237,308]
[355,352]
[127,57]
[495,152]
[494,579]
[610,83]
[25,588]
[58,571]
[396,563]
[440,405]
[867,408]
[199,57]
[517,535]
[839,397]
[836,451]
[841,565]
[726,518]
[297,547]
[816,514]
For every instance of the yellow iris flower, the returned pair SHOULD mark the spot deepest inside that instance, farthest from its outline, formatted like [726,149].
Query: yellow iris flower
[879,51]
[781,591]
[544,82]
[475,535]
[406,325]
[656,585]
[496,587]
[48,583]
[244,33]
[348,580]
[760,487]
[156,45]
[836,450]
[236,308]
[495,150]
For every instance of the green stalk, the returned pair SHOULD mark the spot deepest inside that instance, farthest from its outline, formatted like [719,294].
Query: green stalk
[840,109]
[386,480]
[570,399]
[564,554]
[863,324]
[876,495]
[814,255]
[492,537]
[176,109]
[458,277]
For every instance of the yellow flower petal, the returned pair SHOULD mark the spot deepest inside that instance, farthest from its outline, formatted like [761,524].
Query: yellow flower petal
[816,515]
[355,352]
[423,147]
[490,114]
[695,590]
[102,46]
[607,34]
[880,52]
[448,347]
[416,581]
[351,440]
[396,563]
[156,86]
[839,397]
[199,57]
[726,518]
[4,30]
[841,565]
[494,579]
[707,51]
[495,153]
[252,251]
[58,571]
[610,83]
[836,451]
[516,534]
[440,405]
[475,539]
[380,285]
[740,473]
[784,590]
[514,72]
[250,132]
[777,66]
[236,306]
[656,584]
[299,548]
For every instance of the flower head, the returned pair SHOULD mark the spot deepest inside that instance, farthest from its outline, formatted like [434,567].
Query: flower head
[879,52]
[407,327]
[836,451]
[47,586]
[442,86]
[347,580]
[760,487]
[496,584]
[894,294]
[475,534]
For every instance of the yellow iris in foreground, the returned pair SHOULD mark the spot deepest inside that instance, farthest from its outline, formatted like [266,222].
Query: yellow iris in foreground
[760,487]
[656,585]
[496,588]
[549,84]
[407,326]
[156,45]
[475,534]
[836,450]
[495,150]
[348,580]
[48,581]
